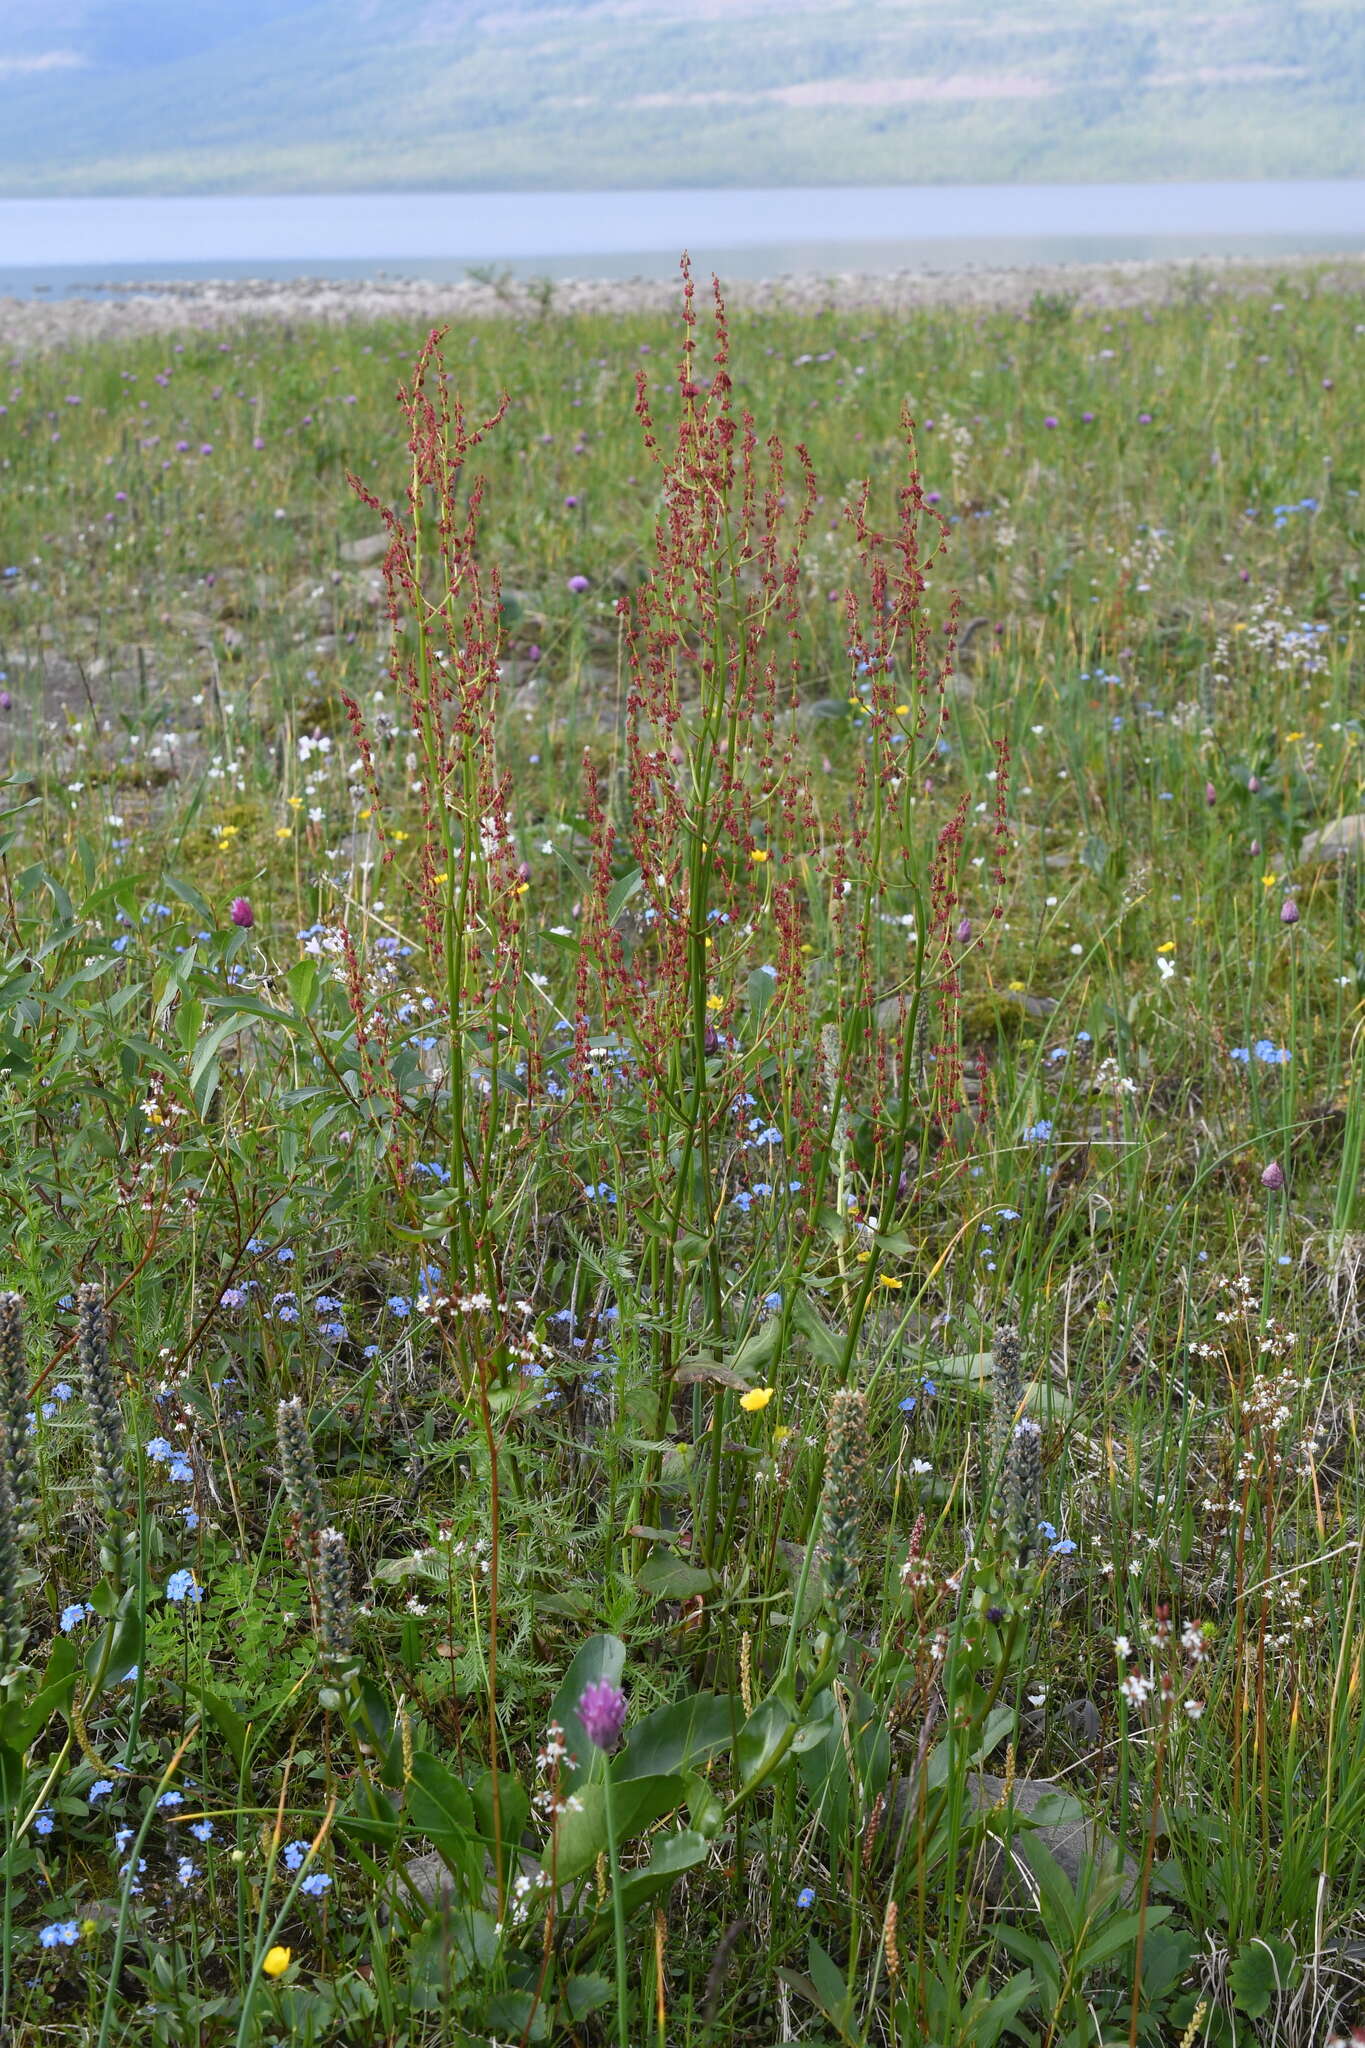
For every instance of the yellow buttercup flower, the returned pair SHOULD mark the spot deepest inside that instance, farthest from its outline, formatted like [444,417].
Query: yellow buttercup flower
[889,1280]
[758,853]
[277,1961]
[756,1399]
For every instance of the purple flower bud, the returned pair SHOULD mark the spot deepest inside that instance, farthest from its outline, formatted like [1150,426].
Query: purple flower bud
[1210,795]
[964,931]
[1273,1177]
[1255,848]
[5,700]
[1254,785]
[1289,911]
[242,913]
[602,1710]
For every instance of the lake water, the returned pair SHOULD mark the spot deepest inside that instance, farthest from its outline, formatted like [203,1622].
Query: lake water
[79,245]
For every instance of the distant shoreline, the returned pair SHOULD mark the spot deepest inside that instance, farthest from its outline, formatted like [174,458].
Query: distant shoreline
[168,307]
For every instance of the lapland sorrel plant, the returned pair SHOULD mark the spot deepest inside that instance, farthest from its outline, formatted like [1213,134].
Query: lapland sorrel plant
[706,877]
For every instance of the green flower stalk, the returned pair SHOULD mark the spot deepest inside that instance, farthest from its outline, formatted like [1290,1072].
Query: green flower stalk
[336,1609]
[1007,1392]
[16,1445]
[298,1467]
[107,1441]
[12,1630]
[1022,1487]
[843,1503]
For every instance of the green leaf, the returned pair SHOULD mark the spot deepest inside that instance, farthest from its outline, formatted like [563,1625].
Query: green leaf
[758,1349]
[581,1835]
[229,1723]
[438,1803]
[11,1779]
[189,895]
[601,1658]
[514,1806]
[126,1652]
[367,1823]
[1040,1956]
[204,1071]
[24,1720]
[1263,1969]
[991,2020]
[826,1345]
[672,1858]
[584,1993]
[1116,1935]
[666,1577]
[687,1733]
[302,981]
[828,1979]
[705,1808]
[761,1738]
[621,893]
[1166,1955]
[518,2015]
[759,994]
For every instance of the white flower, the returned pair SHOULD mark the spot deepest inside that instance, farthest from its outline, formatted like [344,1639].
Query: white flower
[1166,967]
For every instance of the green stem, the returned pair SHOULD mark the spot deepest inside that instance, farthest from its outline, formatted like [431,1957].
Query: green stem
[618,1910]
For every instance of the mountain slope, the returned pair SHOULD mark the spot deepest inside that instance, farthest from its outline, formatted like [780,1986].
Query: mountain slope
[277,95]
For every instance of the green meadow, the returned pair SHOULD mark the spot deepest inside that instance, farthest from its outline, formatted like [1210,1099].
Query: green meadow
[680,1143]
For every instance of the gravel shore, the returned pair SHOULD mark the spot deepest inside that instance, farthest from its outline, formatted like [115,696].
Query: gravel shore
[166,308]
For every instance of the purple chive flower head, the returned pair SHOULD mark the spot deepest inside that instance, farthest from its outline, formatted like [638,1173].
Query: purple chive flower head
[1289,911]
[1273,1177]
[602,1710]
[242,912]
[964,930]
[578,584]
[1210,795]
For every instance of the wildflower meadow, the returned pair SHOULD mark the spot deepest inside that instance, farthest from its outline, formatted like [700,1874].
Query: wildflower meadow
[681,1132]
